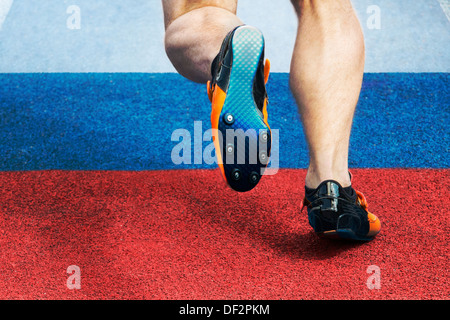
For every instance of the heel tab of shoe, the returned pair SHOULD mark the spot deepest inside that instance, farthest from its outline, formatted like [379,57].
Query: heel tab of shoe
[331,188]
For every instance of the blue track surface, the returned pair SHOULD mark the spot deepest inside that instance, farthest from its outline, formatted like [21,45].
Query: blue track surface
[125,121]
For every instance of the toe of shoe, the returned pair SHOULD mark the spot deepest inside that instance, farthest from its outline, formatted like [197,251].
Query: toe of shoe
[375,225]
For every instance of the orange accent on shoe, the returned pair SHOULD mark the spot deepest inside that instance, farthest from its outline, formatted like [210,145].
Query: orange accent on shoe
[374,222]
[375,225]
[266,101]
[217,99]
[266,70]
[265,113]
[304,204]
[209,90]
[362,200]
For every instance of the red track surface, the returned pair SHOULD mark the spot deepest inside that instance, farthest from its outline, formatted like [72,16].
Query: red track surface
[182,235]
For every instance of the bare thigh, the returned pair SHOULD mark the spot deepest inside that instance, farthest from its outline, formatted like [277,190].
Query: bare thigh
[176,8]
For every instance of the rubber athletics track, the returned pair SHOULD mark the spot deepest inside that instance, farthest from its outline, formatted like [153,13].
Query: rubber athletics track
[87,180]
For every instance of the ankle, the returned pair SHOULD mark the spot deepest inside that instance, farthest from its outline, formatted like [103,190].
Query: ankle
[315,177]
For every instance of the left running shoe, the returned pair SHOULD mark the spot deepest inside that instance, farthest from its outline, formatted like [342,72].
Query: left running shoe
[237,91]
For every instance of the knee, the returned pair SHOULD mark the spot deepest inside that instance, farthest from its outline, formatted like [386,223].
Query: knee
[201,21]
[193,39]
[173,37]
[180,42]
[203,25]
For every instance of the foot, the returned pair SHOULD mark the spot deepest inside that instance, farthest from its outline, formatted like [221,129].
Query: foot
[337,212]
[241,133]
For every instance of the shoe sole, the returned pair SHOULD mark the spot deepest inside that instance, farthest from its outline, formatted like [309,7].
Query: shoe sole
[246,152]
[347,234]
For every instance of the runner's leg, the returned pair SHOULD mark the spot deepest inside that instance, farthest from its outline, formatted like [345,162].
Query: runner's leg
[195,30]
[326,76]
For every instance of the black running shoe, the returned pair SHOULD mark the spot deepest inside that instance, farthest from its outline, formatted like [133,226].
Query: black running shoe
[337,212]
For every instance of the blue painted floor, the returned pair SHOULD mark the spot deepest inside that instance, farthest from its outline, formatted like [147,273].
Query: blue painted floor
[126,121]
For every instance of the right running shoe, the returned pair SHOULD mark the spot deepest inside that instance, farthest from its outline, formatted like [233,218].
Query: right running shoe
[241,132]
[337,212]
